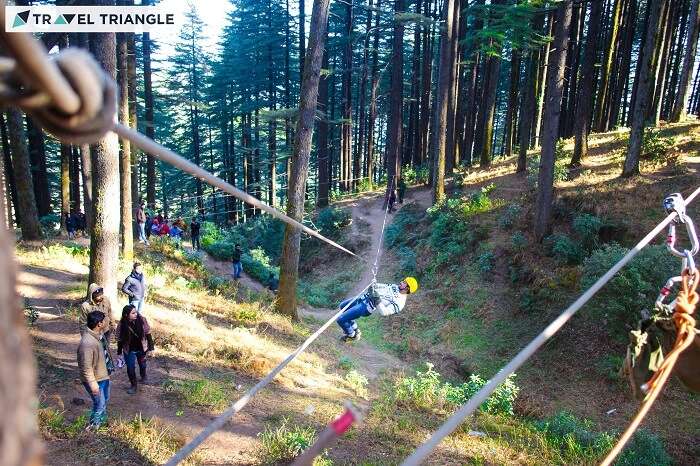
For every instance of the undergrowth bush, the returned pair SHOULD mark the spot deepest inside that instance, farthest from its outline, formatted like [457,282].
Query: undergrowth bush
[632,289]
[509,216]
[579,443]
[400,232]
[53,423]
[415,175]
[655,147]
[257,264]
[327,290]
[202,393]
[564,249]
[486,262]
[358,383]
[50,224]
[332,220]
[587,227]
[518,241]
[427,391]
[284,443]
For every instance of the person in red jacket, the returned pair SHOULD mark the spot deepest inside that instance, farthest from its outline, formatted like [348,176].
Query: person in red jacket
[164,228]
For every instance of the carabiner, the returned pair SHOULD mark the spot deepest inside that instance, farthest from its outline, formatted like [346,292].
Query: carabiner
[675,203]
[666,290]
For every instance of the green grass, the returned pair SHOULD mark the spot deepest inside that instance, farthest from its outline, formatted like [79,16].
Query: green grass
[198,393]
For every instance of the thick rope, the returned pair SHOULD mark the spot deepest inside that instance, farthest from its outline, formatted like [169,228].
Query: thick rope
[166,155]
[526,353]
[219,422]
[685,327]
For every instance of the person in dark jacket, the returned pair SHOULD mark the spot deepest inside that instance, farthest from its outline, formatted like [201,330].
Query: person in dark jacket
[134,344]
[402,189]
[71,224]
[81,222]
[135,287]
[273,283]
[236,262]
[194,232]
[392,200]
[148,226]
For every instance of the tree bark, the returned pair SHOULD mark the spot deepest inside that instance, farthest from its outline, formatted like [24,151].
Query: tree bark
[20,443]
[373,100]
[451,154]
[346,128]
[552,111]
[394,125]
[29,217]
[511,112]
[66,153]
[641,102]
[148,108]
[585,99]
[126,229]
[527,109]
[324,178]
[131,89]
[600,121]
[8,172]
[104,237]
[544,60]
[442,103]
[302,39]
[289,260]
[679,109]
[37,157]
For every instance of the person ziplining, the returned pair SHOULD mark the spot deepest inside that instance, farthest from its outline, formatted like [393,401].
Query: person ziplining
[384,299]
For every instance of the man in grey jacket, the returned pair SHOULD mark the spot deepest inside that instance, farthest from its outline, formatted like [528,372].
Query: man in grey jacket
[95,365]
[135,287]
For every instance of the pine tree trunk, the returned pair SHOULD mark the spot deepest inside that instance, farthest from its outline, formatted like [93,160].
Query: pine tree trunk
[373,100]
[426,80]
[441,100]
[641,102]
[451,155]
[550,133]
[619,101]
[66,152]
[544,60]
[302,39]
[126,228]
[656,60]
[29,217]
[346,127]
[272,124]
[493,69]
[75,179]
[511,112]
[664,60]
[148,114]
[679,109]
[585,98]
[37,157]
[8,172]
[600,122]
[104,237]
[20,443]
[362,133]
[131,75]
[324,178]
[289,259]
[86,176]
[527,108]
[394,125]
[416,148]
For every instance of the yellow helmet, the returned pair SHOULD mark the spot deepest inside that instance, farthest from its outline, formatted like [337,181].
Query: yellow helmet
[412,284]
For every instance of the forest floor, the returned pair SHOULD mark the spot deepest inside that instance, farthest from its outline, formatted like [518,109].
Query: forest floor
[52,285]
[212,346]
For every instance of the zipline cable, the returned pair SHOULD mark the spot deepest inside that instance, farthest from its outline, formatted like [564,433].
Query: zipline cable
[482,395]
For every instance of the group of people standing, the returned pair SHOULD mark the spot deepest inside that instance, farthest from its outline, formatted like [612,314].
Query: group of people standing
[75,223]
[133,339]
[160,226]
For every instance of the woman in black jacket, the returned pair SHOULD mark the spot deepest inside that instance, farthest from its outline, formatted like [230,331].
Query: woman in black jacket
[135,343]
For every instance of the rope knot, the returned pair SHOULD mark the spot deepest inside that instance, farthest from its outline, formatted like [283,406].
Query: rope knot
[95,89]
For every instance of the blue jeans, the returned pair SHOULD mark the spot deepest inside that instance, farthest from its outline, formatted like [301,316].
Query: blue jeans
[138,304]
[131,358]
[142,232]
[358,308]
[195,242]
[99,402]
[237,269]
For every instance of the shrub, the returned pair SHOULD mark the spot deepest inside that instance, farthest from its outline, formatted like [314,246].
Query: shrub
[201,393]
[50,224]
[332,220]
[415,175]
[518,241]
[564,249]
[346,363]
[327,290]
[645,449]
[509,216]
[357,382]
[632,289]
[486,262]
[407,260]
[587,227]
[209,234]
[574,437]
[656,147]
[399,233]
[561,171]
[427,391]
[257,264]
[284,443]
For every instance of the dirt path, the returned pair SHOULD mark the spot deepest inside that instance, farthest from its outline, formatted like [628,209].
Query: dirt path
[367,212]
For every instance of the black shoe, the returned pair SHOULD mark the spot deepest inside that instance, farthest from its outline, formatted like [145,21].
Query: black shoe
[132,390]
[355,337]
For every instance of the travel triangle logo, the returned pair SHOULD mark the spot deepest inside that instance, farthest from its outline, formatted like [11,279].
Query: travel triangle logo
[21,19]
